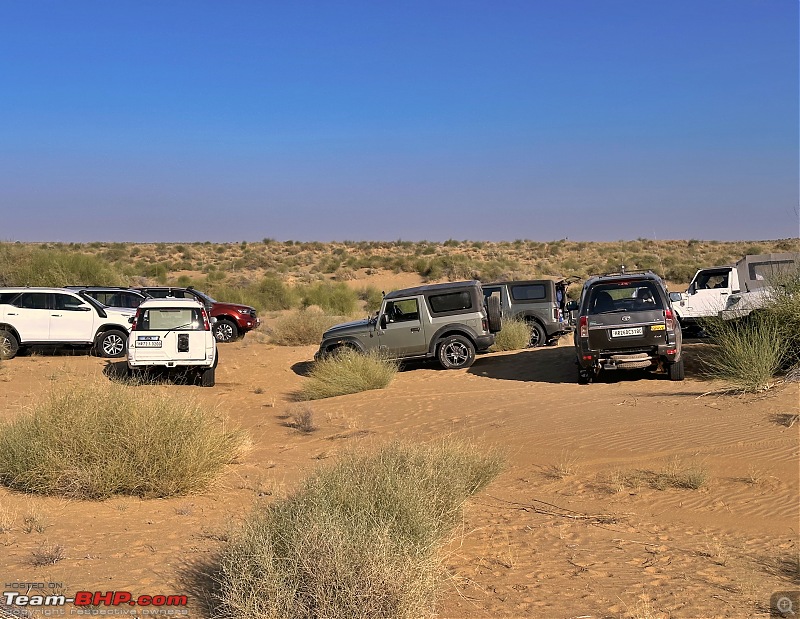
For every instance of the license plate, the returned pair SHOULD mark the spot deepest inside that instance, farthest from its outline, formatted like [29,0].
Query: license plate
[148,343]
[626,332]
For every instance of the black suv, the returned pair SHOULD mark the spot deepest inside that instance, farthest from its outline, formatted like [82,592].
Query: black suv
[111,296]
[626,322]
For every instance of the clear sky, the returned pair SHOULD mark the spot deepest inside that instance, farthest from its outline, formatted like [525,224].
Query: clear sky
[193,120]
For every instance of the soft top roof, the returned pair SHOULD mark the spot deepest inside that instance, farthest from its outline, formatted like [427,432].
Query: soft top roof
[407,292]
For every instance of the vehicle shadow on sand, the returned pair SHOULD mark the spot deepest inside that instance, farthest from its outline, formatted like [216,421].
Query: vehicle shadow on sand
[539,365]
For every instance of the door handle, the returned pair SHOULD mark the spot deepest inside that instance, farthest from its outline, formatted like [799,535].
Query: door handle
[723,293]
[415,330]
[56,315]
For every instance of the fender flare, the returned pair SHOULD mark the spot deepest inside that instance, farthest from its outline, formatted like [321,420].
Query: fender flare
[439,335]
[332,343]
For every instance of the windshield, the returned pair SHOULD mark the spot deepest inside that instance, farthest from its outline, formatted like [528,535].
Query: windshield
[207,299]
[626,296]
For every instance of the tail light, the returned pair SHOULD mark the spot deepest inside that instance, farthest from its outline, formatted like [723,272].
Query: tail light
[485,324]
[669,319]
[556,314]
[206,324]
[583,326]
[136,319]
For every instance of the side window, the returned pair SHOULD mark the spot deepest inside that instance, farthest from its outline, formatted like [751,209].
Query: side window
[450,302]
[68,303]
[102,297]
[7,297]
[529,292]
[32,300]
[127,299]
[404,310]
[158,294]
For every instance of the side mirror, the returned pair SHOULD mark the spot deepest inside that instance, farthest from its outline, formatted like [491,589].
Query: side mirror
[383,321]
[132,319]
[571,306]
[213,320]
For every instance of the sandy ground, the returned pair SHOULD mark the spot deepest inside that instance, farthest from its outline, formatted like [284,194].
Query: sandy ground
[570,529]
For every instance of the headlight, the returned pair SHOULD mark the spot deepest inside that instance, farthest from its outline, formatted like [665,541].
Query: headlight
[243,310]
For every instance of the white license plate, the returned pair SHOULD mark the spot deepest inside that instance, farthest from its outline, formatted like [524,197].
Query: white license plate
[626,332]
[148,344]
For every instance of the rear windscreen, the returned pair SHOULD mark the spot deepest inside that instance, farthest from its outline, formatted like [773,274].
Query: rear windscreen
[178,319]
[629,296]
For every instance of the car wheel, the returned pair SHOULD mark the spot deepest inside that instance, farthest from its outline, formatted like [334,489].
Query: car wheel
[112,344]
[9,346]
[494,313]
[584,377]
[538,337]
[676,370]
[207,377]
[225,331]
[456,352]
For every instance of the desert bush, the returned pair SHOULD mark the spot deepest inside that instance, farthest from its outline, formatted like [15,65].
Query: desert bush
[302,327]
[94,441]
[746,353]
[24,266]
[348,371]
[515,334]
[784,308]
[359,540]
[372,298]
[336,298]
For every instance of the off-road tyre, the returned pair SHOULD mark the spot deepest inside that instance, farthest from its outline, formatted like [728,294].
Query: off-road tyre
[111,344]
[675,370]
[538,336]
[494,313]
[208,377]
[225,330]
[9,345]
[456,353]
[585,378]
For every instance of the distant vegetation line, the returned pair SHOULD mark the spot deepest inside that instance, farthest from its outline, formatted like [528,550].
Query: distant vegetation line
[274,275]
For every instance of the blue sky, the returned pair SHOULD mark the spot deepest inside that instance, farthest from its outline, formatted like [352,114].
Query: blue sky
[540,119]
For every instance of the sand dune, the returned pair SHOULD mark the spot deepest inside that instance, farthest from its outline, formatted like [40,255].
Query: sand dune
[574,527]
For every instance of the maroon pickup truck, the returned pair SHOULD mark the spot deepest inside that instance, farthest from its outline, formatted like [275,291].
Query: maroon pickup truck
[233,320]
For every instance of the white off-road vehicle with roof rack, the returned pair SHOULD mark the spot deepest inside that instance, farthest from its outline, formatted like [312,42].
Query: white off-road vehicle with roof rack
[173,334]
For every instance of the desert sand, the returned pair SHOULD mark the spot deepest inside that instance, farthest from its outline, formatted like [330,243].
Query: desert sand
[570,529]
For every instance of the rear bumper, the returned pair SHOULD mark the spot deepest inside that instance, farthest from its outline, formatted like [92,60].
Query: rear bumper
[484,342]
[621,359]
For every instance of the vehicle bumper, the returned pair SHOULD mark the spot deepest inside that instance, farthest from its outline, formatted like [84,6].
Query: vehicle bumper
[484,342]
[620,360]
[171,363]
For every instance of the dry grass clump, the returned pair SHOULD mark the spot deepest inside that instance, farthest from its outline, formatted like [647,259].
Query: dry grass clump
[302,418]
[747,353]
[348,371]
[91,442]
[514,335]
[358,540]
[302,328]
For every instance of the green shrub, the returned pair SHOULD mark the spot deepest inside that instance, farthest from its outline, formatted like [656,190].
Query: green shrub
[515,335]
[336,298]
[372,297]
[23,266]
[94,441]
[302,328]
[746,353]
[359,540]
[347,371]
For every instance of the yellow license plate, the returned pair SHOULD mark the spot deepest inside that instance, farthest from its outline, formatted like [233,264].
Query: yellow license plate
[657,327]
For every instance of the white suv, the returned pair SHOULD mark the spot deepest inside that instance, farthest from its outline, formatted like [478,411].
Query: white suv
[173,334]
[58,317]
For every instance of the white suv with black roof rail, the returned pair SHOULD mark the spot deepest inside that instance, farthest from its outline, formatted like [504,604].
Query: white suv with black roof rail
[59,317]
